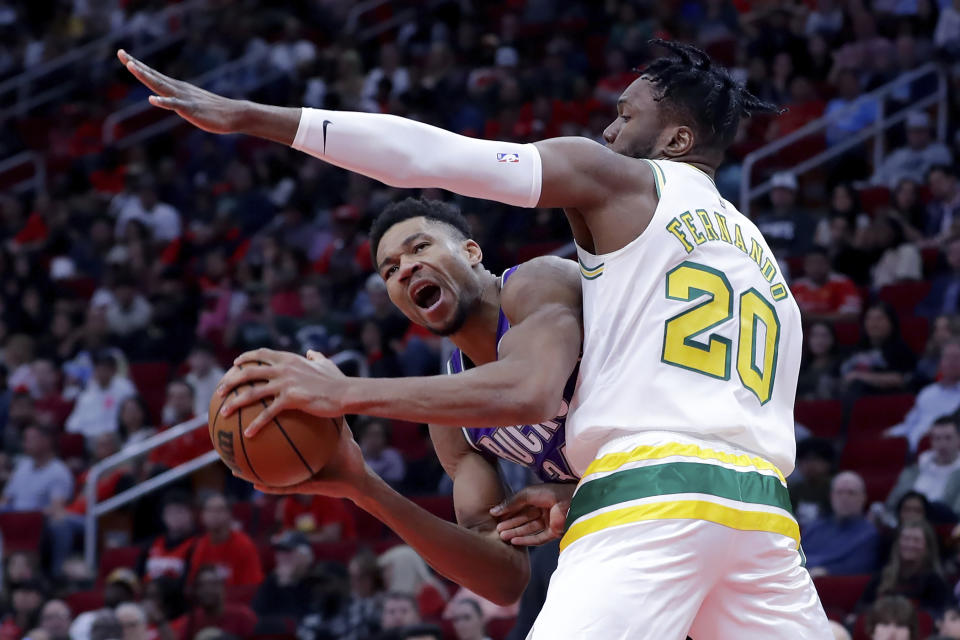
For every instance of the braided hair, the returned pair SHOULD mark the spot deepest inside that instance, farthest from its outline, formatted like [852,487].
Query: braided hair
[692,89]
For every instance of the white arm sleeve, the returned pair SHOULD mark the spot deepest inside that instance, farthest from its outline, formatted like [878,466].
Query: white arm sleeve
[409,154]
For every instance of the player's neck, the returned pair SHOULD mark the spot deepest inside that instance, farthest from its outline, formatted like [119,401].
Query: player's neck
[477,339]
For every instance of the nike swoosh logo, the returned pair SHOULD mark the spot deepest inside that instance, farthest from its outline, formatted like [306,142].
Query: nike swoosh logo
[325,123]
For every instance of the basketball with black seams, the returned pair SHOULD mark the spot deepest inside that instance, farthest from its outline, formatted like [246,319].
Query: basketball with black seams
[289,450]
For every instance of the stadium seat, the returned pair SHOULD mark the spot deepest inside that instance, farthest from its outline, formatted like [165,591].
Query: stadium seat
[880,454]
[904,296]
[72,445]
[81,601]
[841,592]
[872,414]
[498,628]
[150,379]
[531,251]
[408,439]
[879,483]
[21,530]
[915,332]
[242,593]
[440,506]
[847,332]
[824,418]
[369,528]
[931,261]
[116,557]
[340,552]
[267,560]
[872,199]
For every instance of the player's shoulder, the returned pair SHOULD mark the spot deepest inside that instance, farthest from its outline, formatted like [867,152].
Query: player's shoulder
[540,281]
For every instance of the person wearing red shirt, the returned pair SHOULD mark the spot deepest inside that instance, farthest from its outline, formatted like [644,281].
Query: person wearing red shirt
[47,397]
[170,553]
[212,609]
[320,518]
[231,551]
[177,409]
[823,294]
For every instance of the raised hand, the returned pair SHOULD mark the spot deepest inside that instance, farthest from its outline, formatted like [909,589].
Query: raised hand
[312,384]
[534,515]
[199,107]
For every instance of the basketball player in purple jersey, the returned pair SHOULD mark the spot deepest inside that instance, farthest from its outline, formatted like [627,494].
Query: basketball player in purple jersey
[518,343]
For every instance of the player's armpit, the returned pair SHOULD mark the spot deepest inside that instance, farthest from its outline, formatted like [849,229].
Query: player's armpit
[578,173]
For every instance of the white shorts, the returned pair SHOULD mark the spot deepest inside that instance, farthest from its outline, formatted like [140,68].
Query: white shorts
[672,537]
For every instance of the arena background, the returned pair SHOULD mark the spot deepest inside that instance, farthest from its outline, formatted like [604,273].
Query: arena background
[140,254]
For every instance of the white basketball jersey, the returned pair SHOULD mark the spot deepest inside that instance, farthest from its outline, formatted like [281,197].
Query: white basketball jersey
[690,328]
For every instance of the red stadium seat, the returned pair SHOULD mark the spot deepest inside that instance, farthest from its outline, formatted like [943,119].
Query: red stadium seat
[904,296]
[872,414]
[150,379]
[848,333]
[408,439]
[440,506]
[368,527]
[879,483]
[824,418]
[21,530]
[267,561]
[498,628]
[242,593]
[72,445]
[339,552]
[81,601]
[931,260]
[880,454]
[872,199]
[841,592]
[915,333]
[116,557]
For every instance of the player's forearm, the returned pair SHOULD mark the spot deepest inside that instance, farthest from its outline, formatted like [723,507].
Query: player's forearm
[405,153]
[489,396]
[479,562]
[278,124]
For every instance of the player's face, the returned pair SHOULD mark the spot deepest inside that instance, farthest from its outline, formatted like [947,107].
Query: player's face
[637,130]
[430,273]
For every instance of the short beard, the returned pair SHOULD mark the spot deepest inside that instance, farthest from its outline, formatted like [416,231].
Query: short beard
[642,152]
[457,322]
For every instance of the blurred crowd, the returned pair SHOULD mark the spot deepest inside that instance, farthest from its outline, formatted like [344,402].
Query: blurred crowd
[131,281]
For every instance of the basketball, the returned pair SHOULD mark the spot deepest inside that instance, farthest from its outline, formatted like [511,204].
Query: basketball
[289,451]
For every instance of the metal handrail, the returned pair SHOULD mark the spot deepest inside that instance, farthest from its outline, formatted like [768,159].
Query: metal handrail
[38,181]
[22,81]
[820,125]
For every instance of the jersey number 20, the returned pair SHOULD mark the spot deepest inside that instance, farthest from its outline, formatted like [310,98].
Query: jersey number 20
[684,344]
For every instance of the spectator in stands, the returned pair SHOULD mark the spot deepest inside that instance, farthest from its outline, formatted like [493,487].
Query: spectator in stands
[913,161]
[845,204]
[894,259]
[943,212]
[55,619]
[944,295]
[839,631]
[230,550]
[385,461]
[203,376]
[399,610]
[908,209]
[177,409]
[946,37]
[128,311]
[26,599]
[98,405]
[17,356]
[892,618]
[211,608]
[844,542]
[824,295]
[849,94]
[468,621]
[820,364]
[134,420]
[121,586]
[105,626]
[162,220]
[171,552]
[319,518]
[163,601]
[404,571]
[948,626]
[417,632]
[40,481]
[942,330]
[319,327]
[133,620]
[179,405]
[882,362]
[936,470]
[787,229]
[937,399]
[285,592]
[913,571]
[809,484]
[50,405]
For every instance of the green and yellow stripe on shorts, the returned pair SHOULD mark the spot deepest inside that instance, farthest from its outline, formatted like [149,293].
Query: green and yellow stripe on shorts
[680,481]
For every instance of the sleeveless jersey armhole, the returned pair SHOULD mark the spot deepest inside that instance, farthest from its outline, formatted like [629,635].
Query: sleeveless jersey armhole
[659,178]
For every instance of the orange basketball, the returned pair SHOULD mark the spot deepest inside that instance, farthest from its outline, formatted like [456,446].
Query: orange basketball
[289,451]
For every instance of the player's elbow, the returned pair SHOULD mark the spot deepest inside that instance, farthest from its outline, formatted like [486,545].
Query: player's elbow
[509,589]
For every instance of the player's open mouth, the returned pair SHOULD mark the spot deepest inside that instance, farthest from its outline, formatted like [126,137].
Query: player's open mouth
[426,295]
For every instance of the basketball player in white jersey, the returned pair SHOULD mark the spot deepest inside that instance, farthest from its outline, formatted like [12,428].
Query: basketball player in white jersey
[682,421]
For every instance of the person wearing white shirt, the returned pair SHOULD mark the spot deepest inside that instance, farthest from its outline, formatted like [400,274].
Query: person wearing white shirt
[161,218]
[937,399]
[946,36]
[204,375]
[913,161]
[127,309]
[98,405]
[937,472]
[389,68]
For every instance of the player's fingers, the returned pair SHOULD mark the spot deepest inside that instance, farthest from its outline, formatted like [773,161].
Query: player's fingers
[172,104]
[262,488]
[526,529]
[257,356]
[517,502]
[250,395]
[519,519]
[239,376]
[143,73]
[123,56]
[266,416]
[534,540]
[169,84]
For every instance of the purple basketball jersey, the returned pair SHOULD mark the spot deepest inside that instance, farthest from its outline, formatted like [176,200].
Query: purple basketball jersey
[538,446]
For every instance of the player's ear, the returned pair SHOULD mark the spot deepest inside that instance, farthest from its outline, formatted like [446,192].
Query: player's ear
[679,142]
[474,252]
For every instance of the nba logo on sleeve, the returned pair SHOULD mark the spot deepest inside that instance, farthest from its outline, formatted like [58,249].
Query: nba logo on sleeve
[508,157]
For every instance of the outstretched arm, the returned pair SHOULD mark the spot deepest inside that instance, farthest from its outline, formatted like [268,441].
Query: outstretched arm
[470,553]
[525,386]
[574,173]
